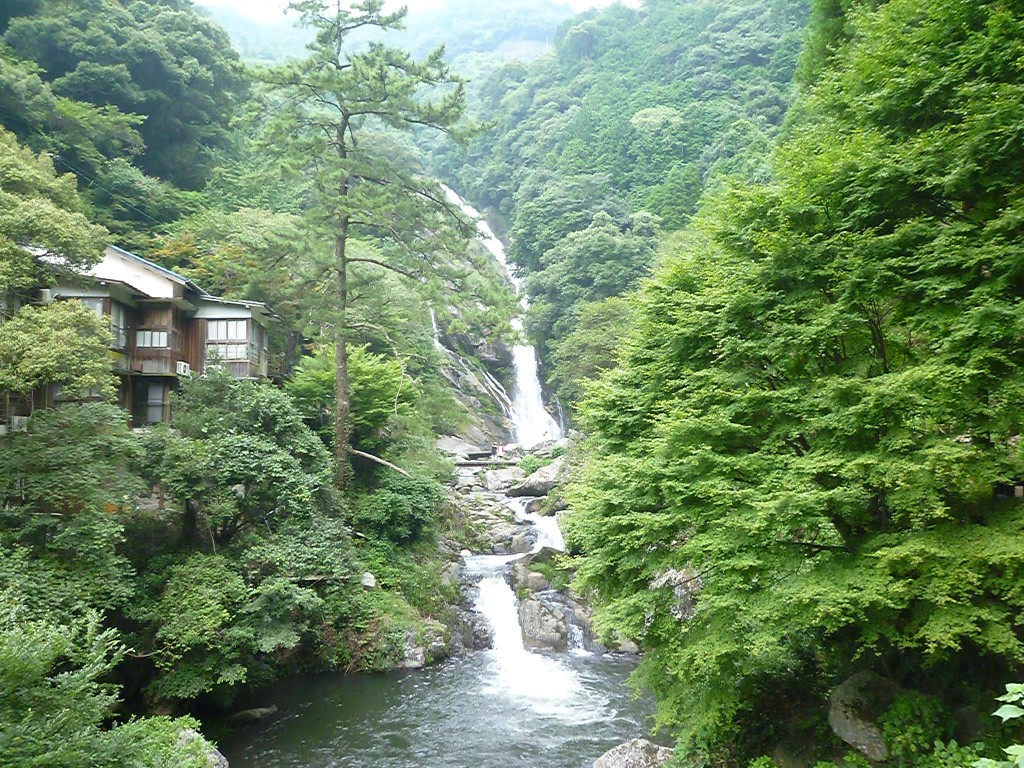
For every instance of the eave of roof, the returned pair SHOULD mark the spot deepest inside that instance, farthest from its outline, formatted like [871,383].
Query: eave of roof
[258,305]
[163,270]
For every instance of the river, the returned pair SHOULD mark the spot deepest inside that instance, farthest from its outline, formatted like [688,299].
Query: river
[505,707]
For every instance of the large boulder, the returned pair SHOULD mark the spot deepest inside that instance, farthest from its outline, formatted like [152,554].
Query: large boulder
[256,714]
[502,479]
[544,624]
[638,753]
[427,646]
[214,759]
[541,482]
[456,446]
[854,708]
[686,584]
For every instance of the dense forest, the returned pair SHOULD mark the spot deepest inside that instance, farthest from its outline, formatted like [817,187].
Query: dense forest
[165,571]
[611,140]
[773,250]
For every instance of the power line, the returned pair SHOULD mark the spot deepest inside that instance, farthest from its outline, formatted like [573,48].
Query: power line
[92,180]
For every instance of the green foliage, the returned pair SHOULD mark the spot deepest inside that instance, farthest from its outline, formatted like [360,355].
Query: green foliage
[56,703]
[239,456]
[213,626]
[380,394]
[61,483]
[401,509]
[591,348]
[531,463]
[1011,711]
[595,263]
[558,578]
[635,112]
[41,211]
[913,725]
[812,414]
[81,135]
[157,60]
[64,344]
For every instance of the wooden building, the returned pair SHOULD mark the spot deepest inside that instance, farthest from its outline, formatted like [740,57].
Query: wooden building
[163,327]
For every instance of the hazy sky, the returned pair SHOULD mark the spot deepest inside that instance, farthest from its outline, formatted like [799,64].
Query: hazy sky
[273,10]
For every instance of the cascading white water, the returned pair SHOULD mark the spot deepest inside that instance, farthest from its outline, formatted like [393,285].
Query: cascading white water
[546,682]
[543,682]
[531,420]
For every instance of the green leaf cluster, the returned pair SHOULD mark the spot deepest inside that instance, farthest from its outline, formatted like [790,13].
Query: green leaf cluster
[805,461]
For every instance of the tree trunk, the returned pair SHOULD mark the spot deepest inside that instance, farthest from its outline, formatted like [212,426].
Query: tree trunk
[342,395]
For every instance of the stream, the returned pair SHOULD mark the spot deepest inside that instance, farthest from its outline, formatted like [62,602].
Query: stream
[505,707]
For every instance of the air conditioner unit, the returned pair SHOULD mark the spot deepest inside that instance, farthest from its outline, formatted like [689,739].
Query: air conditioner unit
[183,368]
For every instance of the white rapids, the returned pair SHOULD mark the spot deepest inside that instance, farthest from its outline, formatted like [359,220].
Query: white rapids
[546,683]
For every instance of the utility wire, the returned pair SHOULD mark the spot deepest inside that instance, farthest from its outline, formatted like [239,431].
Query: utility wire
[92,180]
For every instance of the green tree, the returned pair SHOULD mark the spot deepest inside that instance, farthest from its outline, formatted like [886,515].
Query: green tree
[56,702]
[66,484]
[42,228]
[813,425]
[239,456]
[161,61]
[379,387]
[592,347]
[336,109]
[64,343]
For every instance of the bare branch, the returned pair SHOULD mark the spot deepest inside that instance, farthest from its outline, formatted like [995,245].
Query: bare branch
[379,460]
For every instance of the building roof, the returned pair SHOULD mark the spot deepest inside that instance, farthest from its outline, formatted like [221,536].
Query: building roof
[257,306]
[162,270]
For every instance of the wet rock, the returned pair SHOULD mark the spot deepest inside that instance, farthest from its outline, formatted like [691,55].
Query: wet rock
[686,584]
[253,715]
[638,753]
[428,646]
[522,542]
[214,759]
[854,708]
[535,582]
[502,479]
[620,644]
[519,574]
[368,580]
[482,636]
[544,625]
[541,482]
[466,478]
[451,574]
[534,506]
[415,657]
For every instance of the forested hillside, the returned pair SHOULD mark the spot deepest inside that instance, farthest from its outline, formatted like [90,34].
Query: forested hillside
[497,31]
[630,118]
[804,464]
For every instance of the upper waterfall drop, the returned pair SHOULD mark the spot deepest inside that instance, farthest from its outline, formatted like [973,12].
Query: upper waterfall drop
[531,421]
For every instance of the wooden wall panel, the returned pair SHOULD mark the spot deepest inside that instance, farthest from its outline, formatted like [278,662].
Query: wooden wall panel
[195,344]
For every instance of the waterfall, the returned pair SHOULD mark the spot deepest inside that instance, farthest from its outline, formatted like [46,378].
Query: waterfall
[531,420]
